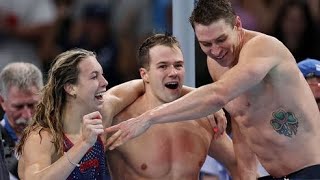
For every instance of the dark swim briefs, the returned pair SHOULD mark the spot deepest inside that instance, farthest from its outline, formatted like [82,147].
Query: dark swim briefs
[311,172]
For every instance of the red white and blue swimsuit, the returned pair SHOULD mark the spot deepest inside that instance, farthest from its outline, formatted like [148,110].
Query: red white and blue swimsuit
[92,164]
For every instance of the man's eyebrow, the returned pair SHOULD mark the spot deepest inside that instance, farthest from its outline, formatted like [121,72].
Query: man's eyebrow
[204,42]
[179,62]
[161,62]
[221,36]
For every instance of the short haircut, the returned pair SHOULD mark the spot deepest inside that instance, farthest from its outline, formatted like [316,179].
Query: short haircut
[209,11]
[143,54]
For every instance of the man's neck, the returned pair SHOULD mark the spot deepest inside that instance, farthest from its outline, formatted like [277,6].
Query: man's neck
[241,41]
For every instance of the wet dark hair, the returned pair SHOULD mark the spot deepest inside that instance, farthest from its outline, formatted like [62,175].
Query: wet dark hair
[143,55]
[209,11]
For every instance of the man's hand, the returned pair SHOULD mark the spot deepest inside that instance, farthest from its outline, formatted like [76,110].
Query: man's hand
[125,131]
[218,123]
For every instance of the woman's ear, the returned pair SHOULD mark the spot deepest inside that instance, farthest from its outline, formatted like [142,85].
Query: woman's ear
[144,74]
[70,89]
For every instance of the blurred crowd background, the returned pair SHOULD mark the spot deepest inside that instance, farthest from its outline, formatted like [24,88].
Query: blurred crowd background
[37,30]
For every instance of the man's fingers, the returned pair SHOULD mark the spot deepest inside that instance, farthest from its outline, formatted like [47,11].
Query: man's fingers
[122,139]
[114,145]
[220,125]
[212,120]
[213,125]
[113,138]
[215,129]
[112,129]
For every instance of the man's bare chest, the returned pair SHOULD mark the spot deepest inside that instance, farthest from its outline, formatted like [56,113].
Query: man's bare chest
[163,148]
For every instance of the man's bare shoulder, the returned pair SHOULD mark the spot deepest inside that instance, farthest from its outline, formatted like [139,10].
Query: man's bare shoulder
[261,43]
[266,48]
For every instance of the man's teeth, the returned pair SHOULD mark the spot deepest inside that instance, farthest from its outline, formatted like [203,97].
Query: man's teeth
[100,94]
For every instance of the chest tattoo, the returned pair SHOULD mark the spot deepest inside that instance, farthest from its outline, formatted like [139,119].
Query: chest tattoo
[284,123]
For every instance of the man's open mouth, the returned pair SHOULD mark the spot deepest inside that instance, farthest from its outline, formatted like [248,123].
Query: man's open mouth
[172,85]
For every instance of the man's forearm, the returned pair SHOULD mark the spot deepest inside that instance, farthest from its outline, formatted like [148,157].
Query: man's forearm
[196,104]
[123,95]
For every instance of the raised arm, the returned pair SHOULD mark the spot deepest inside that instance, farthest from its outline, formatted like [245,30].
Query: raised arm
[255,62]
[119,97]
[218,120]
[40,160]
[37,159]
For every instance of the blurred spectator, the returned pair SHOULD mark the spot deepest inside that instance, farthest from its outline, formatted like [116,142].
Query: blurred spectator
[97,36]
[263,11]
[137,18]
[132,23]
[162,16]
[295,28]
[310,69]
[23,24]
[85,24]
[249,21]
[55,40]
[314,6]
[20,84]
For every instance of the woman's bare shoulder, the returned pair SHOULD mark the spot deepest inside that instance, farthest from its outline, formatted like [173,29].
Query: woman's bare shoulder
[40,139]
